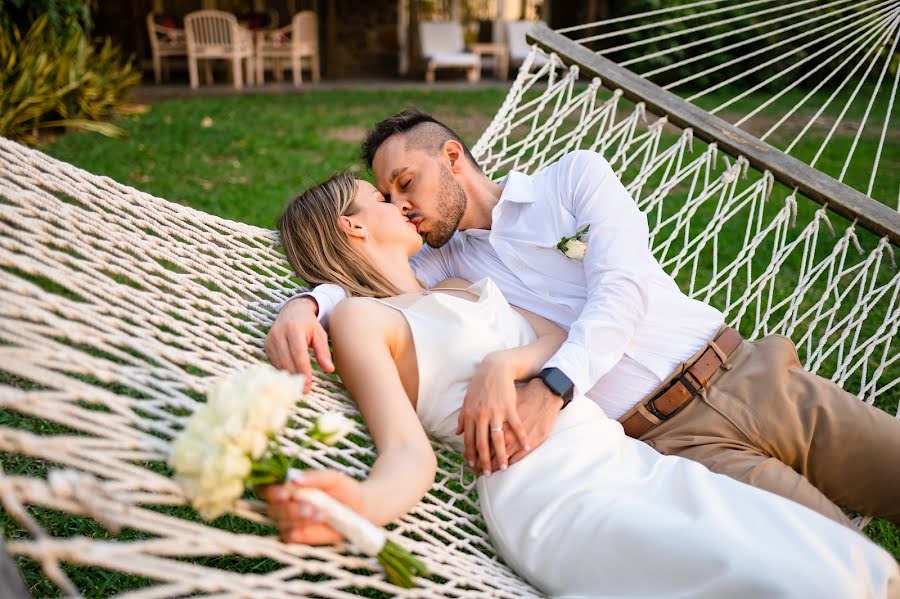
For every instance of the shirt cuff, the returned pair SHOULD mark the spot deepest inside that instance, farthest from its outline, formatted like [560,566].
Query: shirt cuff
[574,361]
[325,303]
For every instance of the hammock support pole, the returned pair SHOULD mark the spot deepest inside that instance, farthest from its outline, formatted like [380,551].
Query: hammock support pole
[819,187]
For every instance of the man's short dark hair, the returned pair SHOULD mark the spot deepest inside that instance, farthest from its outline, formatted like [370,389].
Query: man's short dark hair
[422,132]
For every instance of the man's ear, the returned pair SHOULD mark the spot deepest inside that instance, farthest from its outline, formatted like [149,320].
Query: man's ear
[455,153]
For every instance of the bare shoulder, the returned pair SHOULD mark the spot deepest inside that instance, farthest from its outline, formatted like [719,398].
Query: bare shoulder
[452,282]
[359,315]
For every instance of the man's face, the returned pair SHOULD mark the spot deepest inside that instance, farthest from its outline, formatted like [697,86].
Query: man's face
[422,186]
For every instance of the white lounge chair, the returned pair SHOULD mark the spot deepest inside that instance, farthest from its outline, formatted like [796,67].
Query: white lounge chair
[519,47]
[443,47]
[165,41]
[297,42]
[215,34]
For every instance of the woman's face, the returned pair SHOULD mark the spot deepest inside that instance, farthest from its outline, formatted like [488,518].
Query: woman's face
[383,221]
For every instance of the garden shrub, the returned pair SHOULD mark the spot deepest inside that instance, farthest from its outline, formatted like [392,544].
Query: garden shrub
[58,77]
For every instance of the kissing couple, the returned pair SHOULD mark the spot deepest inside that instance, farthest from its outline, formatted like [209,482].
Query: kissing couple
[628,442]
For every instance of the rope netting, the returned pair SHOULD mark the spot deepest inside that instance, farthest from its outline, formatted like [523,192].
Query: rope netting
[789,71]
[116,307]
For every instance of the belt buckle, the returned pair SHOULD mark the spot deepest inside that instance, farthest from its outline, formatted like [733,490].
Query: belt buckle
[693,390]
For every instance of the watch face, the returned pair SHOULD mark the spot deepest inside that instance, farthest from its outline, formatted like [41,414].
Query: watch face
[558,382]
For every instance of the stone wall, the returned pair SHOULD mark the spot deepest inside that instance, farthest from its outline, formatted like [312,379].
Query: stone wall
[361,41]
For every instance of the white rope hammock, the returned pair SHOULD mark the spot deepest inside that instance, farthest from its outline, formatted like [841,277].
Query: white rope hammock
[116,307]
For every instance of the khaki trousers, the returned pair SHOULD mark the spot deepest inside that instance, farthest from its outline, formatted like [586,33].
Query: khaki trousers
[770,423]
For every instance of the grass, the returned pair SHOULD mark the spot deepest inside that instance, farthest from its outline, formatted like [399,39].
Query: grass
[241,158]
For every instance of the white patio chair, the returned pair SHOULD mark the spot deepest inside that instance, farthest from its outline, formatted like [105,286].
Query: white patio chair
[297,42]
[515,31]
[165,41]
[443,47]
[213,34]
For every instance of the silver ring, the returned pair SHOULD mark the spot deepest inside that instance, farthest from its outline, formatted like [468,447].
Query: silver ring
[497,429]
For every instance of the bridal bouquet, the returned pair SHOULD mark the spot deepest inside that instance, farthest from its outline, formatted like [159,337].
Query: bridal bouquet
[229,444]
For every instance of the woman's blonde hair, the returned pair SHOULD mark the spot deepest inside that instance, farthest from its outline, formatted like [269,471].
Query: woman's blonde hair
[318,249]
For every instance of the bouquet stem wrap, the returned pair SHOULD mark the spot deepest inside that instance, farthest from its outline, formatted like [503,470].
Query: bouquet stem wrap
[399,565]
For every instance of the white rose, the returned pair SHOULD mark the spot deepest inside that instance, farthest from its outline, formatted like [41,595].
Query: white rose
[251,441]
[331,428]
[186,454]
[575,249]
[230,463]
[270,394]
[212,455]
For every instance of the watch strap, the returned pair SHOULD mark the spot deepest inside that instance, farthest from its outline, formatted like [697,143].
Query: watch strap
[557,381]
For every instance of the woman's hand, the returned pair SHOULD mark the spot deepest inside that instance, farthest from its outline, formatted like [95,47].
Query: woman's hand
[488,408]
[300,522]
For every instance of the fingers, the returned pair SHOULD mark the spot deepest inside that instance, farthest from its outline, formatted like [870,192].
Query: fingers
[321,349]
[271,349]
[299,522]
[511,441]
[460,423]
[277,350]
[518,429]
[469,439]
[272,493]
[294,513]
[297,360]
[499,444]
[482,444]
[312,534]
[294,332]
[515,457]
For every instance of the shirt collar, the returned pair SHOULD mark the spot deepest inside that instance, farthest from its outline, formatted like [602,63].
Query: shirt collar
[517,188]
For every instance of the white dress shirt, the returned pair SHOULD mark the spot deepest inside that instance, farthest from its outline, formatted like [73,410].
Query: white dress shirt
[629,324]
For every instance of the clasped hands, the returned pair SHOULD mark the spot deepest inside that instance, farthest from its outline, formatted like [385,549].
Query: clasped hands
[503,421]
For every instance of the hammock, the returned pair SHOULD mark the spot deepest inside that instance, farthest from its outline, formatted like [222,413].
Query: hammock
[116,308]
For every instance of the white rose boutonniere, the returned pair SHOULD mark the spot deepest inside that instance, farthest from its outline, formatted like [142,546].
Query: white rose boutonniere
[572,246]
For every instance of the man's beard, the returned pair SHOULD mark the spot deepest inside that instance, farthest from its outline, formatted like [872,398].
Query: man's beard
[451,206]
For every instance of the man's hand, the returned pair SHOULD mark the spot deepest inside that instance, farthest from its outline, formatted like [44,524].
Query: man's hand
[538,408]
[294,331]
[490,403]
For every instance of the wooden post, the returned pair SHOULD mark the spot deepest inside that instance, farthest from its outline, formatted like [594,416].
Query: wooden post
[403,36]
[10,580]
[817,186]
[331,60]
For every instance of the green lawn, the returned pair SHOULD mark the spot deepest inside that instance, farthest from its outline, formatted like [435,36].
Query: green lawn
[241,158]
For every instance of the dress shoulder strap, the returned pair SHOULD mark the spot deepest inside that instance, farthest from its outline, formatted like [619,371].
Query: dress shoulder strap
[435,291]
[466,289]
[386,303]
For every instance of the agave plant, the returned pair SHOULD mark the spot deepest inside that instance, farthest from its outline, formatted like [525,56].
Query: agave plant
[59,78]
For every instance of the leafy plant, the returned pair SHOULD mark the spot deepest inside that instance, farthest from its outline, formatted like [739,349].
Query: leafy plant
[59,78]
[22,13]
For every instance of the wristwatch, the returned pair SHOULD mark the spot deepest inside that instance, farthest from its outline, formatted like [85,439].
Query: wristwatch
[557,381]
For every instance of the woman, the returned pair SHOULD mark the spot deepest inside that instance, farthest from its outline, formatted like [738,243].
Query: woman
[590,512]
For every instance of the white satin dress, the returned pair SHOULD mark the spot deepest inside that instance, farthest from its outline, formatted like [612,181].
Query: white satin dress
[594,513]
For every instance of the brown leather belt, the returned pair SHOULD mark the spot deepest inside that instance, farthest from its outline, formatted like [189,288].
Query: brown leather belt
[664,403]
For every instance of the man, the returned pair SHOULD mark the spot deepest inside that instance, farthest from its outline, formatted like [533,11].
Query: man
[660,362]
